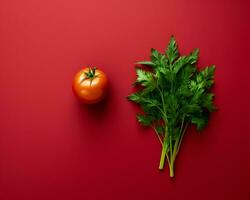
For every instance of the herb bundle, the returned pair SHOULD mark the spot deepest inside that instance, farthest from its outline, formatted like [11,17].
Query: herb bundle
[174,94]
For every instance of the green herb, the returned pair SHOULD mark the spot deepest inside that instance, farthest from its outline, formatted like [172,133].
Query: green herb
[174,94]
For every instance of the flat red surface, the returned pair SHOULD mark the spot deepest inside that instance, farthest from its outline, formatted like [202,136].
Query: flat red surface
[51,147]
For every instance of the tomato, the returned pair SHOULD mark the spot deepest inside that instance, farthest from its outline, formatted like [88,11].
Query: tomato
[90,85]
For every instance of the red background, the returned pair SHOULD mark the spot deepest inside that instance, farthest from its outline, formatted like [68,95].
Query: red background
[51,147]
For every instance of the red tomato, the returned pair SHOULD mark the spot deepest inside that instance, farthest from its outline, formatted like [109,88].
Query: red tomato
[90,85]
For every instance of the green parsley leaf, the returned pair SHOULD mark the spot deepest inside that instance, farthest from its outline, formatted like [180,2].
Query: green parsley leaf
[172,50]
[147,63]
[145,120]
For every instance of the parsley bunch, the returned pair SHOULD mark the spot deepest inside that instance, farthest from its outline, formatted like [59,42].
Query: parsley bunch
[173,95]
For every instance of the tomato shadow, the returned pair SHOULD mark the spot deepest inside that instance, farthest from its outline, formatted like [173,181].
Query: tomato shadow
[95,111]
[91,119]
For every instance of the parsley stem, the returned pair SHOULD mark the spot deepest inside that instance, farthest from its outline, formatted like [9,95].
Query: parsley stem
[163,105]
[171,164]
[176,144]
[171,170]
[163,156]
[157,134]
[183,132]
[174,152]
[164,150]
[168,159]
[171,150]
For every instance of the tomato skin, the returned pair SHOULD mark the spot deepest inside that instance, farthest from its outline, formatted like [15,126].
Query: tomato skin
[90,91]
